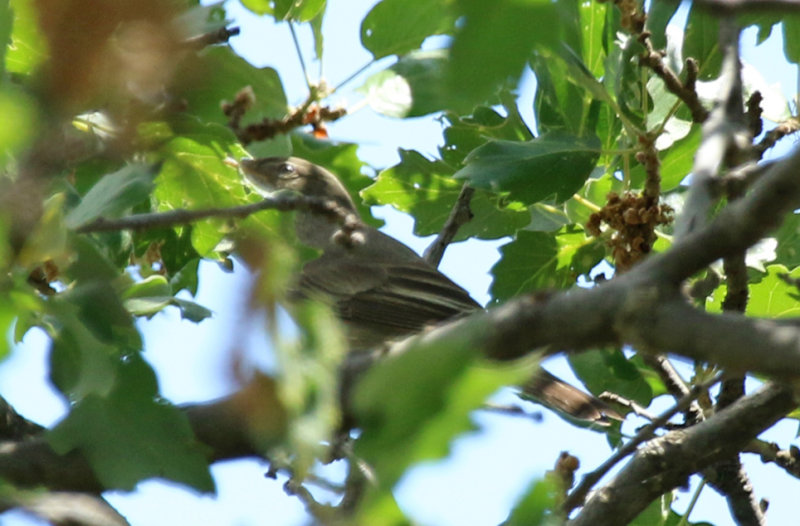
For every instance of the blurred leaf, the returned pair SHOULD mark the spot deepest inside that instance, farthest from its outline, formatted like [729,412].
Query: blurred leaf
[701,42]
[658,16]
[437,388]
[395,27]
[659,513]
[411,87]
[218,74]
[495,41]
[48,241]
[608,370]
[592,25]
[296,10]
[547,218]
[342,160]
[310,382]
[28,49]
[536,505]
[113,194]
[20,121]
[791,37]
[6,24]
[80,363]
[316,31]
[552,165]
[426,190]
[151,295]
[129,436]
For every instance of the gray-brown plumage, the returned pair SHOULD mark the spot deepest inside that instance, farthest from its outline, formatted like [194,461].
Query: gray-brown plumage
[380,288]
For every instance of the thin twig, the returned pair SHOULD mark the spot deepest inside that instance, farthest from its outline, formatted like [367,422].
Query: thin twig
[577,496]
[777,133]
[459,215]
[513,410]
[788,459]
[683,90]
[674,384]
[283,203]
[300,56]
[220,36]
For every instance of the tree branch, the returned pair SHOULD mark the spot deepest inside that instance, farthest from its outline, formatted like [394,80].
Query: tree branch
[577,496]
[724,128]
[459,215]
[282,202]
[667,462]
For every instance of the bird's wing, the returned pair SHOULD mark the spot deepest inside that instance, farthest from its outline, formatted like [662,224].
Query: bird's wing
[386,300]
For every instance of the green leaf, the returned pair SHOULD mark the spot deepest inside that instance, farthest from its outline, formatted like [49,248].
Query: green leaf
[788,236]
[791,37]
[538,260]
[20,122]
[6,23]
[194,175]
[552,165]
[426,190]
[218,74]
[28,49]
[113,194]
[536,505]
[442,385]
[464,134]
[558,103]
[297,10]
[771,297]
[592,25]
[411,87]
[151,295]
[129,436]
[701,42]
[658,16]
[609,370]
[495,42]
[395,27]
[152,286]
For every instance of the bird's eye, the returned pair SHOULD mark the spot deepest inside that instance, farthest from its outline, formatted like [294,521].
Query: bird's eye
[286,170]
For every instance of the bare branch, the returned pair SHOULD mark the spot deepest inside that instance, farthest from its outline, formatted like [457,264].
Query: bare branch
[459,215]
[220,36]
[724,129]
[577,496]
[788,459]
[667,462]
[282,202]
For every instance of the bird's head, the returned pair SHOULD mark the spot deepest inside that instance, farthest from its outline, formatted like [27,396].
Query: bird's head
[292,173]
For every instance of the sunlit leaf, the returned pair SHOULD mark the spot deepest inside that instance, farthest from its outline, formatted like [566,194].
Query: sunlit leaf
[426,190]
[113,194]
[395,27]
[552,165]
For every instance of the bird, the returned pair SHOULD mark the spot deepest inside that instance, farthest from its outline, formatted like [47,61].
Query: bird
[379,288]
